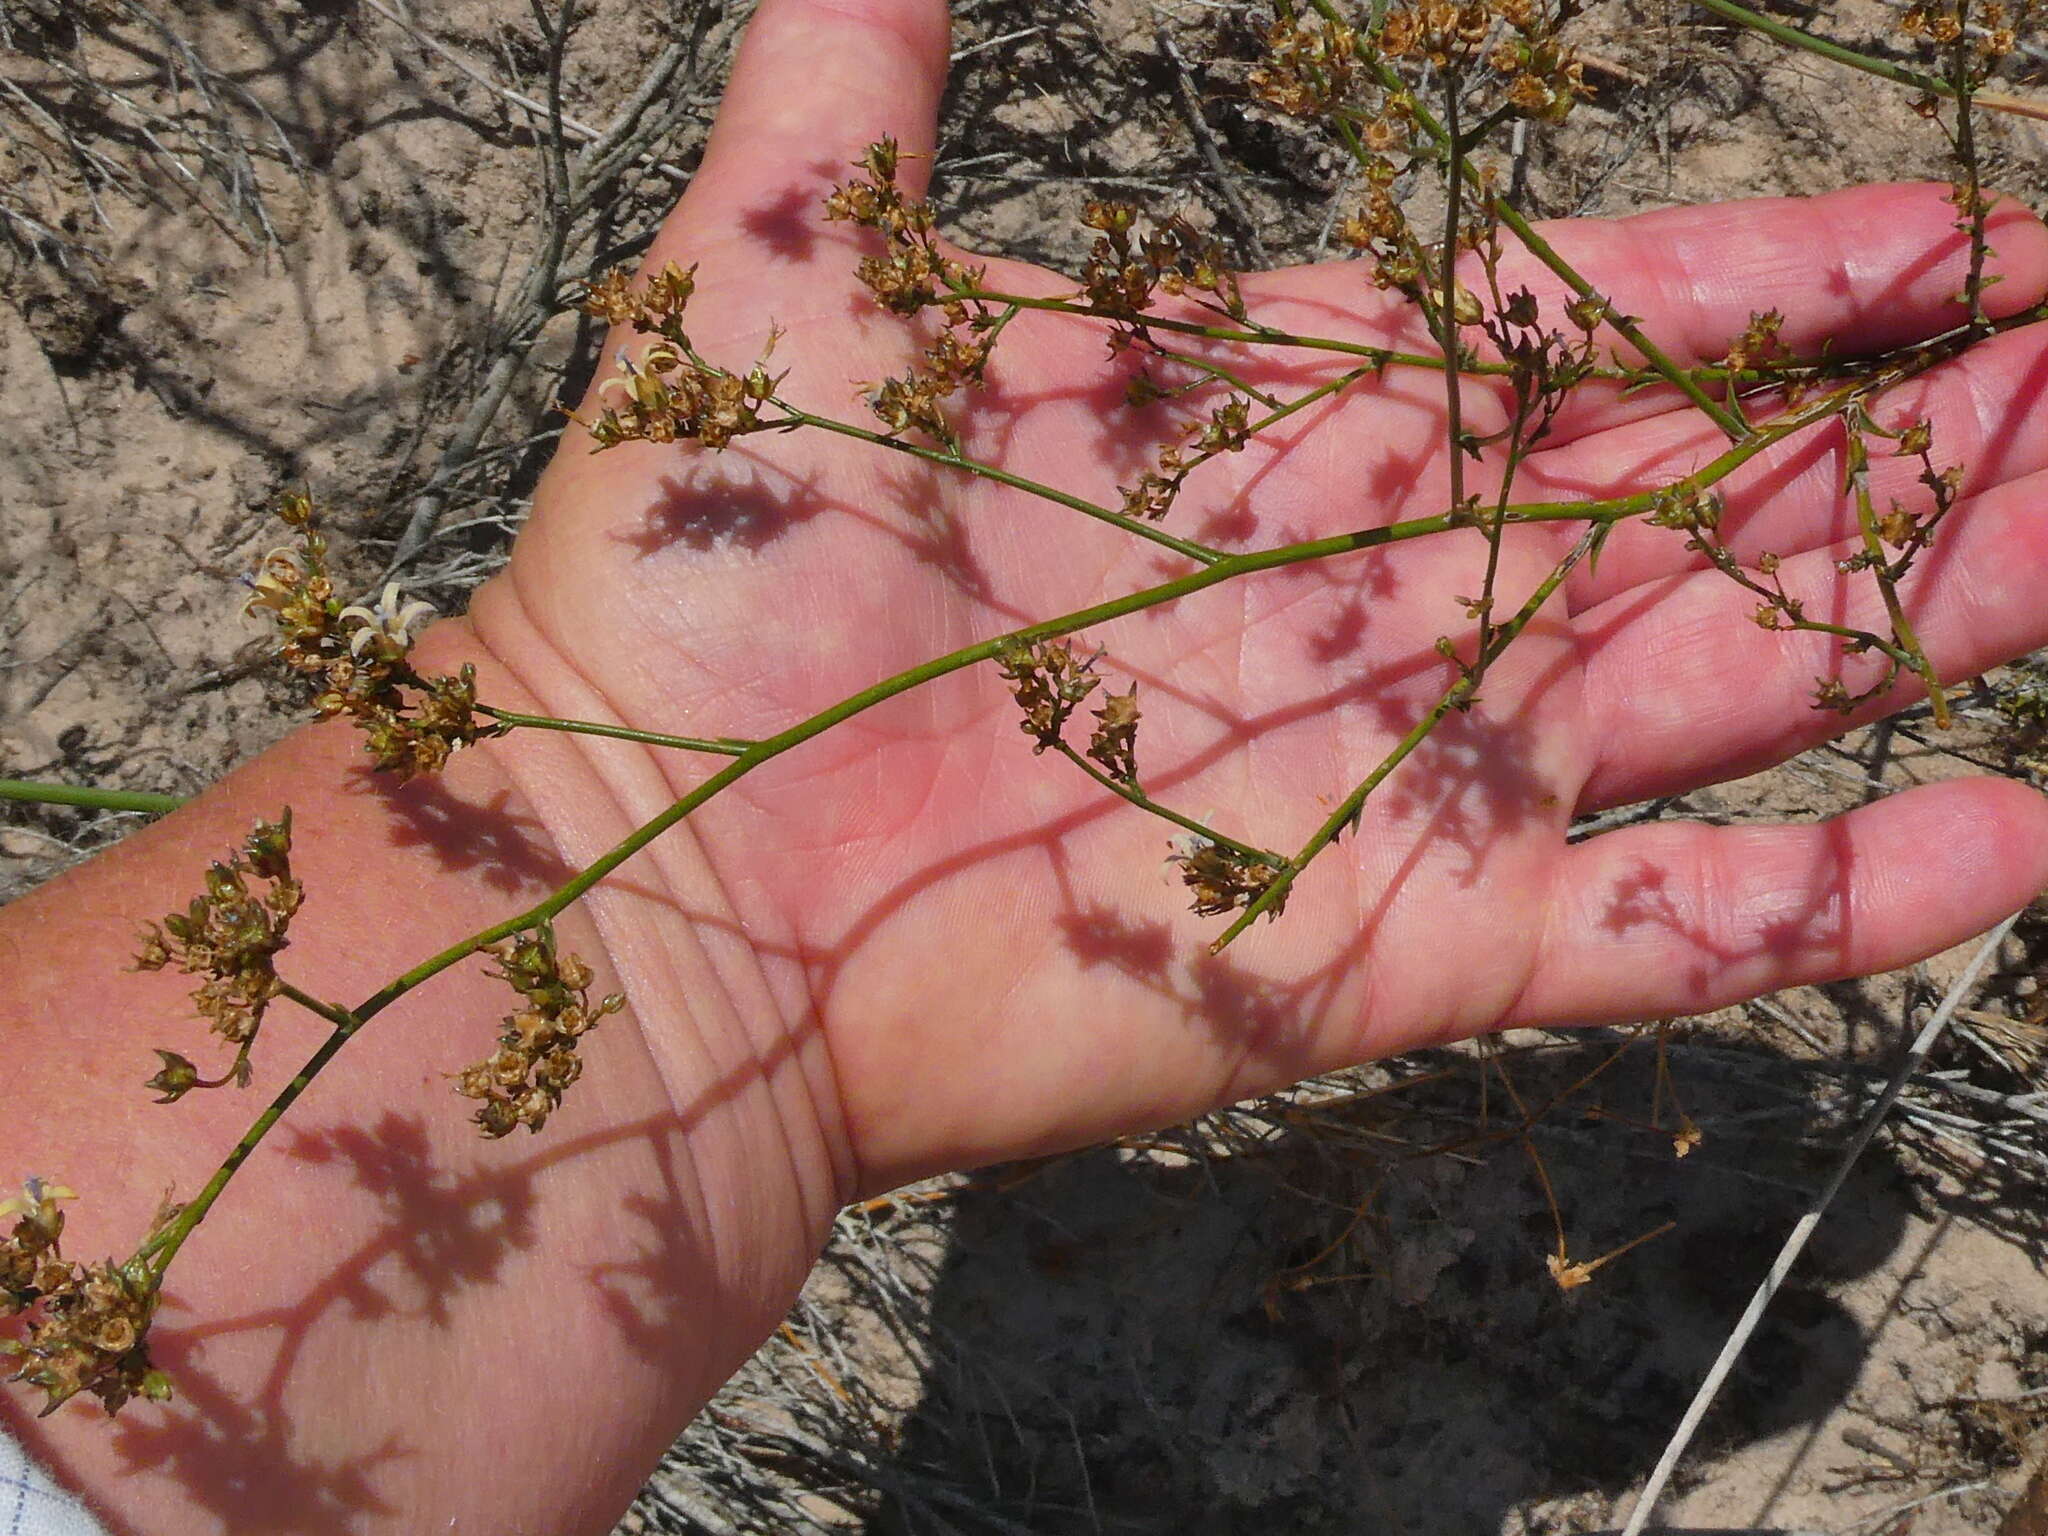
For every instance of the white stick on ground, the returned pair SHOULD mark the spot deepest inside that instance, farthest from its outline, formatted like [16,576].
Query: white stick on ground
[1795,1243]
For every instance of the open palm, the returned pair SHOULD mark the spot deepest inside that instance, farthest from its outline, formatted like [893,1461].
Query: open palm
[994,955]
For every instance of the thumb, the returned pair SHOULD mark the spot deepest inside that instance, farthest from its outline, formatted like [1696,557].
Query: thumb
[816,81]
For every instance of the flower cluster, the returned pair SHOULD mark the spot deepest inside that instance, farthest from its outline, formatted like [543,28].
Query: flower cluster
[522,1082]
[1224,880]
[1903,529]
[1049,681]
[1992,26]
[657,308]
[1227,430]
[1689,511]
[1380,230]
[1114,742]
[669,393]
[1450,34]
[1125,267]
[1544,76]
[950,364]
[1442,33]
[1309,68]
[355,656]
[88,1326]
[1759,346]
[915,273]
[231,936]
[1545,364]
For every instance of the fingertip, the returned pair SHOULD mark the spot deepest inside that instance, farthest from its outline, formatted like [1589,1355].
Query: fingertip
[2002,841]
[815,82]
[1683,918]
[2019,257]
[1902,259]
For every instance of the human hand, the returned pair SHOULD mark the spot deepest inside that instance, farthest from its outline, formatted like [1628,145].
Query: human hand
[973,954]
[908,943]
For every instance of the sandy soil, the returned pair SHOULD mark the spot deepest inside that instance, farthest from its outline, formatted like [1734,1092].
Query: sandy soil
[295,241]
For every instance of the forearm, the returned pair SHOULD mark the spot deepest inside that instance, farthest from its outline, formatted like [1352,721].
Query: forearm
[386,1317]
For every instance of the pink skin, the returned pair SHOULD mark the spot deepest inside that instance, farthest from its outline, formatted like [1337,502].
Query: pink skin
[911,945]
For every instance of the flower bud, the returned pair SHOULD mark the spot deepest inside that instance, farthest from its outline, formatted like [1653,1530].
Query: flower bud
[177,1078]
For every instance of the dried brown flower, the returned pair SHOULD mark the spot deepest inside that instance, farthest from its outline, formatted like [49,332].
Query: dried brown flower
[1224,880]
[915,273]
[1309,67]
[522,1082]
[1114,744]
[87,1325]
[1126,266]
[231,936]
[1048,680]
[355,656]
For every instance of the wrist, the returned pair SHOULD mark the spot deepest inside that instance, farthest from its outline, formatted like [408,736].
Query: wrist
[729,1028]
[341,1320]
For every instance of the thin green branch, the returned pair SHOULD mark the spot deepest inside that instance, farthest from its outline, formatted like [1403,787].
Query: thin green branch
[1200,553]
[1602,514]
[1144,802]
[339,1017]
[1280,412]
[1381,357]
[724,746]
[1458,696]
[1970,185]
[1869,64]
[163,1244]
[1796,37]
[1623,325]
[1219,373]
[1447,296]
[35,793]
[1915,654]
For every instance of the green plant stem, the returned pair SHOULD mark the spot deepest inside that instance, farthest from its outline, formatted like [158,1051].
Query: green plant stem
[1602,514]
[162,1245]
[1302,402]
[724,746]
[1795,37]
[1381,357]
[33,793]
[338,1016]
[1458,695]
[1447,292]
[1219,373]
[1971,184]
[1870,64]
[1200,553]
[1915,655]
[1541,249]
[1622,324]
[1145,802]
[1281,412]
[1725,562]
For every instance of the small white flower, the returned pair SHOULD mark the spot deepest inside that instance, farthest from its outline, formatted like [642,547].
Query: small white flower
[277,576]
[392,619]
[37,1200]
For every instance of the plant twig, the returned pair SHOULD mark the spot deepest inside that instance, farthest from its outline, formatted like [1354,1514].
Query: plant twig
[1803,1229]
[92,798]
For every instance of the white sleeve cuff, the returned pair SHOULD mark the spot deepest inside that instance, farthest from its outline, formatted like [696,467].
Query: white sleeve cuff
[31,1502]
